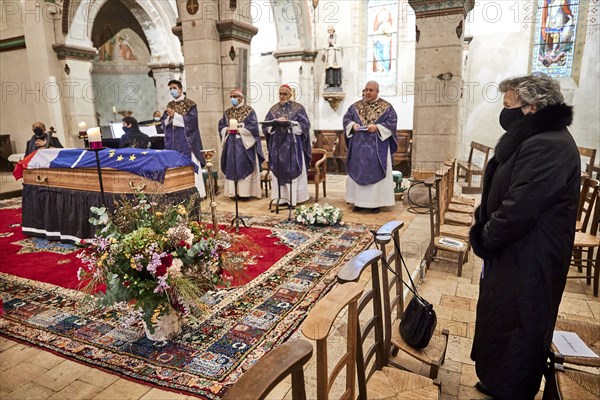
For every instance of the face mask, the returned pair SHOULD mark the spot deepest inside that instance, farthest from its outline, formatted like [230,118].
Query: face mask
[174,93]
[508,116]
[157,119]
[234,101]
[39,133]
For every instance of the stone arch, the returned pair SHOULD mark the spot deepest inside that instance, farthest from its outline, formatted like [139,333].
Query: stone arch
[293,24]
[155,17]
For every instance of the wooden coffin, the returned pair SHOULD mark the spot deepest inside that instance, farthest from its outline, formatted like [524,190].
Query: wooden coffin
[114,181]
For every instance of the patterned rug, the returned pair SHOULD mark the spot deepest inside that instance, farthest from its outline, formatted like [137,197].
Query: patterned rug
[243,324]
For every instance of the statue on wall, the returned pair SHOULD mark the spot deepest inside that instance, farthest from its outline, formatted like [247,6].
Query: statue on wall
[333,70]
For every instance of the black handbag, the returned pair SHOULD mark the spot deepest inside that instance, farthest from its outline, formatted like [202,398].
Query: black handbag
[419,319]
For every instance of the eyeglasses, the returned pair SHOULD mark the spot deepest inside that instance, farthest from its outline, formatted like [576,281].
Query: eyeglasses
[284,94]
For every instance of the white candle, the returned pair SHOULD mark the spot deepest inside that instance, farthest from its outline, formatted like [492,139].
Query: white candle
[94,135]
[114,110]
[233,124]
[82,126]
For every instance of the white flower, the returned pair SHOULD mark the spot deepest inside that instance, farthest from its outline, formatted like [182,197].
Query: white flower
[175,268]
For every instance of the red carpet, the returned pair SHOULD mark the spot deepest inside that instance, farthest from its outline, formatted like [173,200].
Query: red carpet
[57,263]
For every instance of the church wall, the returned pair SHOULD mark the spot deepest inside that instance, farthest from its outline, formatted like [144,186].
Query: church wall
[501,49]
[16,116]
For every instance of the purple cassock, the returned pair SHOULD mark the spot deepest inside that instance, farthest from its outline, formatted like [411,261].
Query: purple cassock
[286,150]
[366,161]
[237,162]
[184,139]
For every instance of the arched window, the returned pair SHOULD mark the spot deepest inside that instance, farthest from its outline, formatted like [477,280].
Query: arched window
[556,31]
[382,44]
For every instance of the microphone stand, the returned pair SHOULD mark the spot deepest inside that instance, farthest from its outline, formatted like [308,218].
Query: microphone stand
[234,135]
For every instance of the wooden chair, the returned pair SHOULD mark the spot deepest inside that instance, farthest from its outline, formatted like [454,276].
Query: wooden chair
[376,380]
[591,155]
[595,172]
[587,199]
[265,175]
[401,159]
[393,305]
[447,174]
[566,383]
[588,243]
[270,370]
[317,173]
[439,242]
[469,168]
[317,326]
[450,217]
[451,164]
[588,332]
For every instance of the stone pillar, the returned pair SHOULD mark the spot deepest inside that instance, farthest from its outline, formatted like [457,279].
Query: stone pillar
[297,70]
[213,34]
[439,28]
[78,92]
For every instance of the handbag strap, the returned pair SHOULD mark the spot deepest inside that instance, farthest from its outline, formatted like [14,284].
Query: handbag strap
[413,289]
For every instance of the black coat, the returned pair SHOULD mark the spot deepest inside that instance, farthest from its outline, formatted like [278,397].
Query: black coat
[134,138]
[524,232]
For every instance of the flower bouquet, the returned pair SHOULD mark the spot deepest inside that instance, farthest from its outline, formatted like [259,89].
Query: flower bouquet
[155,258]
[317,214]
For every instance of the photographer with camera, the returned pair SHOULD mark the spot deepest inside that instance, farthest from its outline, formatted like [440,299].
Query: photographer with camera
[41,139]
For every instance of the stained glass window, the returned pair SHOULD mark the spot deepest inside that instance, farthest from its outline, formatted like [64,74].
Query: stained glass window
[554,41]
[382,44]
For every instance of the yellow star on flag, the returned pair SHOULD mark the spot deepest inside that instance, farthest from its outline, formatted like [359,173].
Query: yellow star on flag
[111,153]
[120,158]
[144,152]
[132,157]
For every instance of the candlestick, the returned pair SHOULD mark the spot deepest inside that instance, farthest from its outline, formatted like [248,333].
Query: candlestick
[95,138]
[233,124]
[82,125]
[114,110]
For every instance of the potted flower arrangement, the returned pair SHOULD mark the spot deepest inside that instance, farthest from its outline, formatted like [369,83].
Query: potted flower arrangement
[317,214]
[154,257]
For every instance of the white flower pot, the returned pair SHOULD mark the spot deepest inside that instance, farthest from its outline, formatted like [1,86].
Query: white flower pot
[167,327]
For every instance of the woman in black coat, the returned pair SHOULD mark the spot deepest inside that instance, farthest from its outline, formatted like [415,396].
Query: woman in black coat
[524,233]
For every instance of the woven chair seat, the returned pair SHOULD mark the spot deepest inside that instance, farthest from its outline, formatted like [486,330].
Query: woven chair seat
[452,218]
[588,332]
[580,385]
[586,240]
[392,383]
[455,231]
[462,200]
[433,353]
[461,208]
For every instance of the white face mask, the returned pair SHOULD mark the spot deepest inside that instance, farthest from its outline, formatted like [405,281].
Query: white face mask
[157,119]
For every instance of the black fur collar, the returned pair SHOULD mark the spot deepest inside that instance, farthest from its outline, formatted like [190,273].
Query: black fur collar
[551,118]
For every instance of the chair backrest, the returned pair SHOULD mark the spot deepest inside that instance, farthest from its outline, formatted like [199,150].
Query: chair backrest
[318,155]
[435,206]
[591,155]
[484,149]
[393,291]
[404,151]
[284,360]
[317,326]
[595,225]
[376,356]
[451,165]
[587,199]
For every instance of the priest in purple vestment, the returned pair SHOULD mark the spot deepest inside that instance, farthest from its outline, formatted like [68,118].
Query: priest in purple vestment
[242,151]
[288,141]
[370,127]
[180,125]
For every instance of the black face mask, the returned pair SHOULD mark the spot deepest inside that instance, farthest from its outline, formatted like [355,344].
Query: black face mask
[508,116]
[126,128]
[39,133]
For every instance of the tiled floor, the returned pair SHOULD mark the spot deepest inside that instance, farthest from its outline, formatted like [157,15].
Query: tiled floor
[30,373]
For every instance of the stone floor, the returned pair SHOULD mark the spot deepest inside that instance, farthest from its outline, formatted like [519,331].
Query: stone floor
[29,373]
